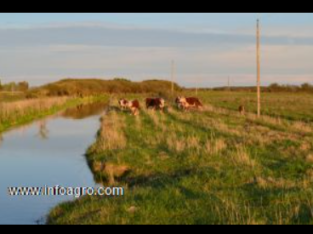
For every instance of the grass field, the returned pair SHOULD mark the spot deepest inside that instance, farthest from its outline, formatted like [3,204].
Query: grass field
[203,167]
[290,106]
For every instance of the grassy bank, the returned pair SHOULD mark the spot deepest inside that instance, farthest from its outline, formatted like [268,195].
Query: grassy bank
[209,167]
[17,113]
[12,96]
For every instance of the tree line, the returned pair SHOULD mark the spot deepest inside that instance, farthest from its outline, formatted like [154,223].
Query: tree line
[14,86]
[273,88]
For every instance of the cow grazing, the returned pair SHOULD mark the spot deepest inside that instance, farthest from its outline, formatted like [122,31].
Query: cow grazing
[178,103]
[242,110]
[123,104]
[134,107]
[189,103]
[155,103]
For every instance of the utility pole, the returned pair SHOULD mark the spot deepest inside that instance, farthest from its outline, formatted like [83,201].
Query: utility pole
[228,84]
[258,57]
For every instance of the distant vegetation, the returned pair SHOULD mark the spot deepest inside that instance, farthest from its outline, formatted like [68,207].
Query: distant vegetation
[290,88]
[14,87]
[273,88]
[89,87]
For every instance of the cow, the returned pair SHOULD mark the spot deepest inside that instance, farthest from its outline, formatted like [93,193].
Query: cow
[178,103]
[123,104]
[242,110]
[155,103]
[188,103]
[134,107]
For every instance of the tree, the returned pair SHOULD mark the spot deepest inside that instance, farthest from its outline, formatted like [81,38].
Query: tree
[307,87]
[274,87]
[23,86]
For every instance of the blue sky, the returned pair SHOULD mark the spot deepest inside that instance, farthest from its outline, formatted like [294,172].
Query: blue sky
[208,47]
[143,19]
[155,19]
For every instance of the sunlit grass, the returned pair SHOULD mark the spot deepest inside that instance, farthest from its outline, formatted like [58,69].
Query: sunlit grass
[210,167]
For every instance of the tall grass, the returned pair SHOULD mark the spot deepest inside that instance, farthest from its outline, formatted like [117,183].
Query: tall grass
[110,136]
[19,112]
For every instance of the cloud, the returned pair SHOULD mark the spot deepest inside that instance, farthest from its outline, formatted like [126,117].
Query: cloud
[214,64]
[104,35]
[46,53]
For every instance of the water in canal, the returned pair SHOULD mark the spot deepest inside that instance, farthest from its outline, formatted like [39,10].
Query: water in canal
[47,152]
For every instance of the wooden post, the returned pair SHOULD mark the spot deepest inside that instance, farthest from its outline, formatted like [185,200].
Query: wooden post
[258,70]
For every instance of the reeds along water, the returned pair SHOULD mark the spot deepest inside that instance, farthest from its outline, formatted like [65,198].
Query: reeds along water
[14,110]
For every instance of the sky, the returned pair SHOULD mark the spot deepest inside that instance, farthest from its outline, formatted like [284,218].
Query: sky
[208,48]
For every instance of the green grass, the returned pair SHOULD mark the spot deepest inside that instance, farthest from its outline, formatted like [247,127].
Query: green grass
[17,113]
[290,106]
[209,167]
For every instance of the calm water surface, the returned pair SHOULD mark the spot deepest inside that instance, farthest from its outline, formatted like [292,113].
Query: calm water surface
[47,152]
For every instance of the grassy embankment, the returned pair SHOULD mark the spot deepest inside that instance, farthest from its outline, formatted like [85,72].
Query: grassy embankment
[208,167]
[16,113]
[12,96]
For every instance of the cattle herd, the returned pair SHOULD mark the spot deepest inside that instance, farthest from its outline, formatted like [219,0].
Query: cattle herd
[159,104]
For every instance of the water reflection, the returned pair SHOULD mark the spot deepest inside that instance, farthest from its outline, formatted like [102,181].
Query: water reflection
[83,111]
[43,130]
[47,152]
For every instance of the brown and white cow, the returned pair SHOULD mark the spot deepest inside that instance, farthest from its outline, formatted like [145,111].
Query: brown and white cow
[178,103]
[155,103]
[123,104]
[189,103]
[134,107]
